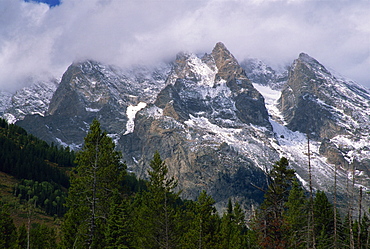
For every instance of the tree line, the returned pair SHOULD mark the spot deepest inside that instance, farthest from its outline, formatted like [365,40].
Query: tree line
[290,218]
[26,157]
[47,196]
[156,216]
[108,208]
[37,236]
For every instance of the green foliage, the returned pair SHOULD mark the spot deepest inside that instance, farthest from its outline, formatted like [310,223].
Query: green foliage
[233,229]
[108,208]
[363,240]
[270,222]
[8,231]
[155,225]
[42,237]
[324,220]
[117,232]
[296,217]
[26,157]
[98,175]
[202,229]
[131,184]
[22,236]
[282,220]
[45,195]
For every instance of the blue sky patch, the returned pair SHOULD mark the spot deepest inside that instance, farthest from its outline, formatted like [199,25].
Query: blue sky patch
[51,3]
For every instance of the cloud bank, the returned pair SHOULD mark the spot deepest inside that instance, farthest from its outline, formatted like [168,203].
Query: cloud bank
[43,41]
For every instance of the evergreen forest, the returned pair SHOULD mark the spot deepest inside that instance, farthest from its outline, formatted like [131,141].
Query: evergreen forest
[95,203]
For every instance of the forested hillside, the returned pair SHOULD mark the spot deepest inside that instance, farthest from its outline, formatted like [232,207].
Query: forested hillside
[108,208]
[26,157]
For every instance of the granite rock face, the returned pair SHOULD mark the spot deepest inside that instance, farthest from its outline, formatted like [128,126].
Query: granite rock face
[30,100]
[332,110]
[219,125]
[302,100]
[91,90]
[203,94]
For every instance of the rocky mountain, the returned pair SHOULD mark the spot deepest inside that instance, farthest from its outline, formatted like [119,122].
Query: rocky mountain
[30,100]
[91,90]
[219,125]
[332,110]
[210,125]
[258,72]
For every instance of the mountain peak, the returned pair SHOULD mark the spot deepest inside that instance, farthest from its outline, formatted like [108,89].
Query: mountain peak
[222,55]
[308,59]
[312,63]
[220,45]
[228,67]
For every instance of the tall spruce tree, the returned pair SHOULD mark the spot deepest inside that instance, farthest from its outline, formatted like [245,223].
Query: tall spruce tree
[155,219]
[324,220]
[296,217]
[270,222]
[98,174]
[203,222]
[233,228]
[117,232]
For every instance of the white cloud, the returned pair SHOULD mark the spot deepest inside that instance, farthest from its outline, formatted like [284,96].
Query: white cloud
[37,40]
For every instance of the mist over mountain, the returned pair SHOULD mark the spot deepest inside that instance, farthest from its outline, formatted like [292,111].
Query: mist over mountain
[37,39]
[218,124]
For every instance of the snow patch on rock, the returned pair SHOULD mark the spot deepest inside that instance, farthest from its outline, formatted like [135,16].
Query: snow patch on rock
[131,113]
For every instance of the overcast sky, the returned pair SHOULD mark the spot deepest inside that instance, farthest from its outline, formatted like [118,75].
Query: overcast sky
[37,39]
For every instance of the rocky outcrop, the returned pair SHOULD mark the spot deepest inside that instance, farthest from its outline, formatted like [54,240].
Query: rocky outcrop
[305,100]
[260,73]
[197,164]
[30,100]
[214,86]
[91,90]
[211,125]
[334,112]
[203,94]
[333,154]
[249,102]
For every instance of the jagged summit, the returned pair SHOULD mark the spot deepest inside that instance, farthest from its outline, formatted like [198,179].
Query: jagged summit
[30,100]
[214,86]
[308,59]
[302,97]
[200,122]
[223,58]
[332,110]
[260,73]
[91,90]
[215,129]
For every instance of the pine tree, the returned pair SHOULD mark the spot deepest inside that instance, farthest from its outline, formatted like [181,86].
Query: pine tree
[98,174]
[42,236]
[270,223]
[22,236]
[365,231]
[324,220]
[201,231]
[233,229]
[156,216]
[117,232]
[296,216]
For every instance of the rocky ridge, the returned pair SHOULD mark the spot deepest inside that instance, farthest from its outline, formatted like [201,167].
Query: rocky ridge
[331,109]
[218,124]
[91,90]
[30,100]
